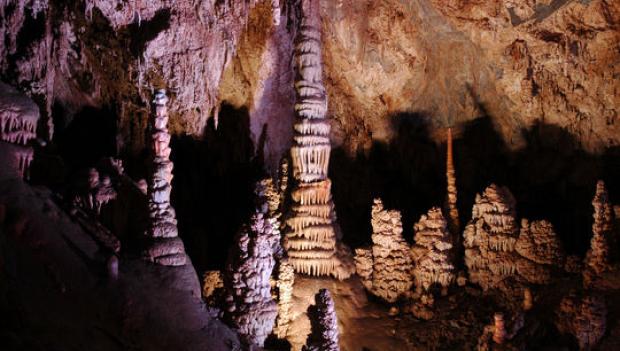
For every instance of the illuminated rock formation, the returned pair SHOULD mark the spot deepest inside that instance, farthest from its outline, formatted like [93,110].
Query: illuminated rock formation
[211,282]
[94,192]
[283,182]
[284,284]
[276,11]
[390,256]
[311,234]
[267,201]
[598,257]
[490,238]
[250,309]
[431,253]
[324,324]
[584,317]
[18,122]
[540,250]
[452,212]
[500,332]
[164,245]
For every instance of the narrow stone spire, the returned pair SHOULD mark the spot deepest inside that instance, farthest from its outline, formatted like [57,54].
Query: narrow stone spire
[452,212]
[310,234]
[163,243]
[598,257]
[324,324]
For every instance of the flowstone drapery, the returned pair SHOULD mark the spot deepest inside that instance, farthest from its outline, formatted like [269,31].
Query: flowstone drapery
[431,253]
[598,257]
[324,324]
[385,268]
[311,240]
[163,243]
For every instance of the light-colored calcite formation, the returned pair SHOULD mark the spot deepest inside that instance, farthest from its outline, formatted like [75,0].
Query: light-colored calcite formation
[584,317]
[284,284]
[250,308]
[283,180]
[490,237]
[94,192]
[211,282]
[431,253]
[598,257]
[267,201]
[18,124]
[311,240]
[452,212]
[324,324]
[389,256]
[540,250]
[163,243]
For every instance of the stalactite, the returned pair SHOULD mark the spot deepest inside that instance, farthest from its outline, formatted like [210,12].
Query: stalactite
[94,192]
[431,253]
[451,196]
[311,240]
[324,324]
[163,243]
[598,257]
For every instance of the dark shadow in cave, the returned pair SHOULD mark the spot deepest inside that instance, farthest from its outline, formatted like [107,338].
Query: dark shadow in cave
[551,177]
[213,186]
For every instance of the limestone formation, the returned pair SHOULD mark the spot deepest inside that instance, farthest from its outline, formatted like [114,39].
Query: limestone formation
[18,122]
[584,317]
[324,324]
[389,256]
[540,250]
[452,212]
[490,238]
[431,253]
[250,308]
[211,282]
[267,201]
[163,243]
[599,256]
[311,240]
[284,285]
[93,192]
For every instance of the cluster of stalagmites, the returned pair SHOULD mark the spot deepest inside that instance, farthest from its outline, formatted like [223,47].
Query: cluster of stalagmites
[385,268]
[497,253]
[311,240]
[18,122]
[250,308]
[324,324]
[597,259]
[163,243]
[499,332]
[94,191]
[584,317]
[431,253]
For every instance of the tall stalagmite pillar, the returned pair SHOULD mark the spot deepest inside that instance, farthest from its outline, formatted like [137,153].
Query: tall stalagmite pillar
[452,212]
[310,237]
[163,243]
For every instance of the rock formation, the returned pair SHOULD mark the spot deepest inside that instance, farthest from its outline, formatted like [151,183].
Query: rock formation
[311,240]
[324,324]
[490,237]
[163,243]
[250,308]
[431,253]
[452,212]
[18,122]
[584,317]
[93,192]
[389,256]
[598,257]
[267,201]
[211,282]
[284,285]
[540,250]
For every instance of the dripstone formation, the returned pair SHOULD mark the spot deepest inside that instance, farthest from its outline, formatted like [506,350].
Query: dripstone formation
[385,268]
[163,243]
[598,257]
[324,324]
[584,317]
[250,308]
[431,253]
[451,209]
[311,240]
[18,122]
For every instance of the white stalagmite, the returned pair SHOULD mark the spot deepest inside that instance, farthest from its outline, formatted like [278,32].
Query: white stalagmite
[163,243]
[250,308]
[18,125]
[389,257]
[431,253]
[598,257]
[324,324]
[310,240]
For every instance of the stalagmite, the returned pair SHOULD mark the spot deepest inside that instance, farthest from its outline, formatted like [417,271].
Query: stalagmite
[311,241]
[250,309]
[584,317]
[284,284]
[211,282]
[598,257]
[431,253]
[324,324]
[389,256]
[451,210]
[499,332]
[164,246]
[18,125]
[267,202]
